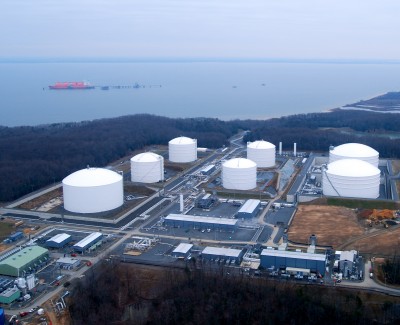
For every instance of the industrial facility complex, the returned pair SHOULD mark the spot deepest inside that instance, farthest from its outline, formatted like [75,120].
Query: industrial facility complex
[226,208]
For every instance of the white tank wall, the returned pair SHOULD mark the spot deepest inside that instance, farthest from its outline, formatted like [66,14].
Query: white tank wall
[354,151]
[367,186]
[184,151]
[147,171]
[263,156]
[239,174]
[93,190]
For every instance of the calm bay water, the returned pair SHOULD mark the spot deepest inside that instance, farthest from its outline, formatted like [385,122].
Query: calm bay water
[221,90]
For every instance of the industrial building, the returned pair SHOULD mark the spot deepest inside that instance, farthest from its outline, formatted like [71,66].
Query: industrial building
[89,243]
[262,153]
[182,250]
[10,295]
[222,253]
[147,167]
[281,259]
[93,190]
[346,262]
[207,170]
[354,151]
[196,222]
[249,209]
[351,178]
[59,240]
[25,261]
[68,263]
[206,201]
[239,174]
[182,150]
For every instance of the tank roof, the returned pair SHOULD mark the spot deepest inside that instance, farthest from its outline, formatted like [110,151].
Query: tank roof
[354,150]
[92,177]
[146,157]
[240,163]
[352,168]
[182,140]
[260,144]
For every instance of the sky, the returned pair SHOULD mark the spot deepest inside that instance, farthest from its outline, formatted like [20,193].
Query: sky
[281,29]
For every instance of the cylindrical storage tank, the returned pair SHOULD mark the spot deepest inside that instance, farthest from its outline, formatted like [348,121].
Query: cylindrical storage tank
[262,153]
[239,174]
[354,151]
[147,167]
[93,190]
[351,178]
[182,150]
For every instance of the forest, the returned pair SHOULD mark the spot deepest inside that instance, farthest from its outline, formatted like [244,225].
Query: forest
[117,293]
[32,157]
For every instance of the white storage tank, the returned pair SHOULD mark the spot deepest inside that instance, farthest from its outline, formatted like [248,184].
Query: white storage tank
[147,167]
[354,151]
[262,153]
[351,178]
[182,150]
[93,190]
[239,174]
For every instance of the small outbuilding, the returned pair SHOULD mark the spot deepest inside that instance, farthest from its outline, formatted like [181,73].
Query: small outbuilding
[182,250]
[59,240]
[68,263]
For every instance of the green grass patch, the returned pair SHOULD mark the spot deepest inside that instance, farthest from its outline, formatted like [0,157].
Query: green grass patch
[363,204]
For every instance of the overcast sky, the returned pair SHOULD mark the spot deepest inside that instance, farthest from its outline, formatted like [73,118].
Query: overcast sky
[305,29]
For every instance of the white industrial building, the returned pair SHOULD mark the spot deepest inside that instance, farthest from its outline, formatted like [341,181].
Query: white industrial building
[249,209]
[182,250]
[354,151]
[222,253]
[147,167]
[351,178]
[92,190]
[262,153]
[182,150]
[239,174]
[90,242]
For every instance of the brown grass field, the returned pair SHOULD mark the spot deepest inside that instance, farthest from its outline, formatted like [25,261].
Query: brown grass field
[332,225]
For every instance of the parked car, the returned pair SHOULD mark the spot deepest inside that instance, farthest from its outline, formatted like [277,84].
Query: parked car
[23,313]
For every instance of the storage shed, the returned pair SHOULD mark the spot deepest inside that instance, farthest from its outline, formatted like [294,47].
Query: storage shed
[59,240]
[249,209]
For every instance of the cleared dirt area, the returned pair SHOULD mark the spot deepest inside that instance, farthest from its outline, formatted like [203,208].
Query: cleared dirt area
[331,225]
[385,242]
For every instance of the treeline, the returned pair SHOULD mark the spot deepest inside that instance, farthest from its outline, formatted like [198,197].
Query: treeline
[121,295]
[317,131]
[33,157]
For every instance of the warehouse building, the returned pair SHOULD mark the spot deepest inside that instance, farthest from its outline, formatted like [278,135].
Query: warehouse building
[10,295]
[249,209]
[281,259]
[89,243]
[24,262]
[182,250]
[222,253]
[59,240]
[68,263]
[346,261]
[196,222]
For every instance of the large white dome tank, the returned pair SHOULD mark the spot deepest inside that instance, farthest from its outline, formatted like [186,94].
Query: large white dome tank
[239,174]
[147,167]
[182,150]
[262,153]
[92,190]
[354,151]
[351,178]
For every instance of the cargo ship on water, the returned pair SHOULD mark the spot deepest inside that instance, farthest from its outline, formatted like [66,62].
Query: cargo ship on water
[72,85]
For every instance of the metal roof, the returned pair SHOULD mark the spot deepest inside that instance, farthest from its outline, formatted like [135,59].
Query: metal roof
[92,177]
[88,239]
[59,238]
[239,163]
[67,260]
[9,292]
[292,254]
[184,217]
[182,140]
[354,150]
[183,248]
[261,144]
[348,255]
[220,251]
[352,168]
[146,157]
[207,168]
[24,256]
[249,206]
